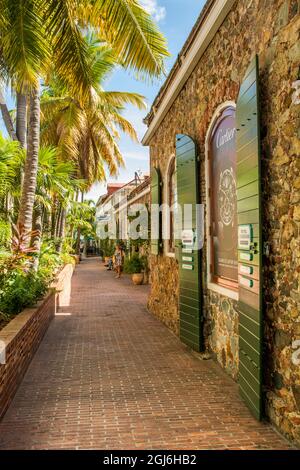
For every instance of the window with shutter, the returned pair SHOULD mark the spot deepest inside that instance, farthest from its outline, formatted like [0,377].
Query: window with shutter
[187,250]
[172,201]
[155,214]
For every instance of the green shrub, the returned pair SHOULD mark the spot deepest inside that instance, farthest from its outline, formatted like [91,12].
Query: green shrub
[20,286]
[5,234]
[21,289]
[66,258]
[107,247]
[134,265]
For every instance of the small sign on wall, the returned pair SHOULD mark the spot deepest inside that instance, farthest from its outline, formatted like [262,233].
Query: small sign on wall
[187,237]
[245,237]
[187,258]
[188,267]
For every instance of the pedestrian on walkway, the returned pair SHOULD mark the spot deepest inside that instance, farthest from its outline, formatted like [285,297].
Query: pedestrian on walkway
[118,261]
[110,264]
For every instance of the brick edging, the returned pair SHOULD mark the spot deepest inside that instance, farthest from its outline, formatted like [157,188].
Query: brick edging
[22,337]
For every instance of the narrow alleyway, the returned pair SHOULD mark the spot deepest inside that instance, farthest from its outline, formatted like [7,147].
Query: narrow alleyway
[110,376]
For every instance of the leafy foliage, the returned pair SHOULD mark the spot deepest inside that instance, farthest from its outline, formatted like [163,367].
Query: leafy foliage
[87,133]
[5,234]
[19,289]
[107,246]
[134,265]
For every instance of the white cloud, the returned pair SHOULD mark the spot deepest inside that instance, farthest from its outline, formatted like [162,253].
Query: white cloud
[154,9]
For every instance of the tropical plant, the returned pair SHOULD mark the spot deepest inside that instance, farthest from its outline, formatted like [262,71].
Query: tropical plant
[81,221]
[36,35]
[56,185]
[19,290]
[5,235]
[87,132]
[11,157]
[134,265]
[107,247]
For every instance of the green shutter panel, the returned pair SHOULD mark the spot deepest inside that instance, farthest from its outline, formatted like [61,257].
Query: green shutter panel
[249,241]
[155,221]
[188,254]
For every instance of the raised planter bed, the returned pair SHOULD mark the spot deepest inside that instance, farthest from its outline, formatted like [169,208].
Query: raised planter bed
[24,333]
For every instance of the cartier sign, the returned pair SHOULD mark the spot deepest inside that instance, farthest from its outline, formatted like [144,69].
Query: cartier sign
[224,136]
[223,197]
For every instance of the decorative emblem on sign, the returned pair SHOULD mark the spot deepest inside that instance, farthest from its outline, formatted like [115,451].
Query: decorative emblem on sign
[227,197]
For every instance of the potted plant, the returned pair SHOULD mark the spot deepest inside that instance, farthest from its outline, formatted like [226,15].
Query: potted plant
[108,250]
[135,266]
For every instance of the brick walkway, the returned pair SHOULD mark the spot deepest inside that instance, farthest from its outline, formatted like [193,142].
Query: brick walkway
[110,376]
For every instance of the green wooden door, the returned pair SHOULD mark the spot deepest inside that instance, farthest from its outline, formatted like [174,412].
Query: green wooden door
[249,241]
[155,214]
[187,252]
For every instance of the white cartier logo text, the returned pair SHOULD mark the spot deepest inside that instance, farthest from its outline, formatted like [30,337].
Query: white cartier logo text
[225,136]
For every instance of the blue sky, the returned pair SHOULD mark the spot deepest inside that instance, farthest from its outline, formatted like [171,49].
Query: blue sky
[175,19]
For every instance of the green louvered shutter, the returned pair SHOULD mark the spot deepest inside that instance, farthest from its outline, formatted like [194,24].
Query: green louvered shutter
[156,221]
[249,241]
[187,253]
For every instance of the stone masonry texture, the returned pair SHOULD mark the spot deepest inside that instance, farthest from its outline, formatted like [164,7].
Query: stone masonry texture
[270,29]
[22,337]
[108,375]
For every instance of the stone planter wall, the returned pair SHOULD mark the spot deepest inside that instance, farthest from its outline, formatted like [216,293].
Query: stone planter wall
[22,336]
[63,286]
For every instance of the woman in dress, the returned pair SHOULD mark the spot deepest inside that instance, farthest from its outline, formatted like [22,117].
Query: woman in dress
[118,261]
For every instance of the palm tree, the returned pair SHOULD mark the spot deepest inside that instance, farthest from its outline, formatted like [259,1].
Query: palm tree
[81,219]
[11,159]
[21,118]
[7,118]
[56,184]
[36,33]
[87,133]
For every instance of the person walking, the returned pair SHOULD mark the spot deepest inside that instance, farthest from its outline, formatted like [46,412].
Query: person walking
[118,261]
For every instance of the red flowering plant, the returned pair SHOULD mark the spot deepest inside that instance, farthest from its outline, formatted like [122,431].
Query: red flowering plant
[20,285]
[22,250]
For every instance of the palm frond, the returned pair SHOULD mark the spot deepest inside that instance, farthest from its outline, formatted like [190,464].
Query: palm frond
[132,33]
[121,98]
[25,49]
[70,51]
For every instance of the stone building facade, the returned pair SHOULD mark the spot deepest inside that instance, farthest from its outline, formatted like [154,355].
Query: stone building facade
[270,29]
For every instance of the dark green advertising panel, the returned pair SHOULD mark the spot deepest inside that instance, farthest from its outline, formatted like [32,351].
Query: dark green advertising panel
[249,241]
[187,252]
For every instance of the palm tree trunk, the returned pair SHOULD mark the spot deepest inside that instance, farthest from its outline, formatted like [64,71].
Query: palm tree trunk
[36,240]
[57,221]
[31,165]
[62,225]
[78,242]
[79,231]
[53,221]
[21,118]
[7,118]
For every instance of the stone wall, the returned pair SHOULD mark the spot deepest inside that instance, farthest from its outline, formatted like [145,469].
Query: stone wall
[22,337]
[270,29]
[163,299]
[63,285]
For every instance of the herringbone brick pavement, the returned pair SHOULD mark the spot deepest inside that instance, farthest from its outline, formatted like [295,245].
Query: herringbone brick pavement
[108,375]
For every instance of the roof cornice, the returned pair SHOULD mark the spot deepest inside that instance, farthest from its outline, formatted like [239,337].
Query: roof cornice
[208,26]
